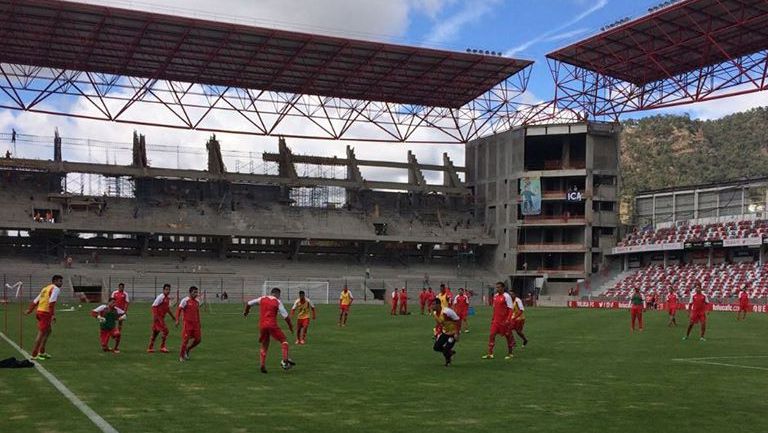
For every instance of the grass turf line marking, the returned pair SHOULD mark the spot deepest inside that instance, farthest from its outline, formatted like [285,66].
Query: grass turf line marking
[723,364]
[100,422]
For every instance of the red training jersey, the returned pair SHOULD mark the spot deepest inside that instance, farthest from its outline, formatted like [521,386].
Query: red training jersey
[161,306]
[191,308]
[269,307]
[121,299]
[743,297]
[699,302]
[672,299]
[430,296]
[461,302]
[403,297]
[502,308]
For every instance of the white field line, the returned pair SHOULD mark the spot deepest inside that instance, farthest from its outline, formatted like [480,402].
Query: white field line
[100,422]
[707,361]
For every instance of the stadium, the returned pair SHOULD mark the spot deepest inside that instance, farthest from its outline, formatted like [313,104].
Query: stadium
[283,215]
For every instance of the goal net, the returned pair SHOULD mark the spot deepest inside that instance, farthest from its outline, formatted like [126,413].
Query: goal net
[317,291]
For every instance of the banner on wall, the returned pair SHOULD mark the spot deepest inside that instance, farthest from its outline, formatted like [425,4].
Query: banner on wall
[530,193]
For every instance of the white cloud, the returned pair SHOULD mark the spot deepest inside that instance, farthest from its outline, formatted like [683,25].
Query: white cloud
[555,34]
[447,29]
[375,19]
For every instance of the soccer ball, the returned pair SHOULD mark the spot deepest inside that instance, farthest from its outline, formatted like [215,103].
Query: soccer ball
[285,365]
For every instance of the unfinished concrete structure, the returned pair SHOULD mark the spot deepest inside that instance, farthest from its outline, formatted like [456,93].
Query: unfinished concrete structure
[215,213]
[577,168]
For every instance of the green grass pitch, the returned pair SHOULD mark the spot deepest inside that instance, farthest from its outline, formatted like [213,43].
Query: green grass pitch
[582,372]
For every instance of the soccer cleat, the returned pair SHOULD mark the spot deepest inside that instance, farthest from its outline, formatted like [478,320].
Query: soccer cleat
[685,338]
[702,339]
[164,349]
[466,330]
[186,355]
[488,356]
[105,349]
[181,359]
[38,358]
[525,343]
[290,361]
[115,350]
[509,356]
[263,369]
[286,364]
[150,350]
[45,355]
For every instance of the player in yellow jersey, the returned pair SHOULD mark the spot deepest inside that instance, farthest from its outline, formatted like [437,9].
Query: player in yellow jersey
[302,307]
[345,301]
[448,322]
[446,300]
[45,306]
[517,319]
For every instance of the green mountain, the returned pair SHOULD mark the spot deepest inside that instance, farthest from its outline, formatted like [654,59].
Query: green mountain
[674,150]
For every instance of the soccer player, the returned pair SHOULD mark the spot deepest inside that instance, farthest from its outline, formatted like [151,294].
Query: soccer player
[698,311]
[403,301]
[109,316]
[502,313]
[672,307]
[430,296]
[160,307]
[517,320]
[461,307]
[395,297]
[637,306]
[743,304]
[269,307]
[190,307]
[445,296]
[345,301]
[302,307]
[448,321]
[422,300]
[121,301]
[44,306]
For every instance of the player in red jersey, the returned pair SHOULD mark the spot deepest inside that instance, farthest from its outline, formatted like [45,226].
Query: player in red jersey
[121,301]
[160,307]
[302,307]
[698,310]
[394,299]
[403,300]
[190,307]
[269,307]
[461,307]
[422,300]
[109,317]
[743,304]
[500,321]
[672,307]
[44,306]
[430,296]
[637,307]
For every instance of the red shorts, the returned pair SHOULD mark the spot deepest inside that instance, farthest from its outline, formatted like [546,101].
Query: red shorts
[303,323]
[499,328]
[517,325]
[672,309]
[275,333]
[744,306]
[698,317]
[158,325]
[344,308]
[44,320]
[462,313]
[191,331]
[104,335]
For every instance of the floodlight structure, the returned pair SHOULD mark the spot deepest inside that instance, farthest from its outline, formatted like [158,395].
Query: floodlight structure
[143,68]
[684,52]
